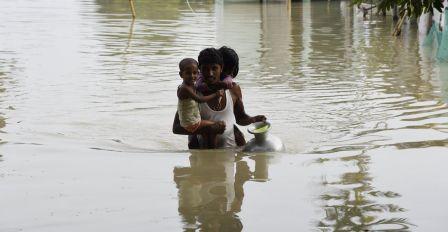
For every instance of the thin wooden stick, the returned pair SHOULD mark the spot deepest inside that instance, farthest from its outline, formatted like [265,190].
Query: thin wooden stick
[188,3]
[131,2]
[288,6]
[397,30]
[131,33]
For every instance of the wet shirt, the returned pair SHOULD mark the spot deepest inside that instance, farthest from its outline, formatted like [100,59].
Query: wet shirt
[226,139]
[188,110]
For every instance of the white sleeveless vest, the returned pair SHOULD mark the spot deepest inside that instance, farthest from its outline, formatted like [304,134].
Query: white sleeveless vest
[226,139]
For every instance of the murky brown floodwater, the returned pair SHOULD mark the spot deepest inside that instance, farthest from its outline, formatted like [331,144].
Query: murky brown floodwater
[87,99]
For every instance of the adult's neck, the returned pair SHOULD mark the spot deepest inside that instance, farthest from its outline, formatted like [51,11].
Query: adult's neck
[210,90]
[214,103]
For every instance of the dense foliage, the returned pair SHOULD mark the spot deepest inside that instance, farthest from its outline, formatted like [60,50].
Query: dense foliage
[413,8]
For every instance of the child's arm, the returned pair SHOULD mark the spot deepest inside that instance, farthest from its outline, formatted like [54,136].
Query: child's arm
[226,83]
[201,87]
[199,84]
[188,92]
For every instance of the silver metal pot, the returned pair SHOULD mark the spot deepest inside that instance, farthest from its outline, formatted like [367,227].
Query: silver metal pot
[263,141]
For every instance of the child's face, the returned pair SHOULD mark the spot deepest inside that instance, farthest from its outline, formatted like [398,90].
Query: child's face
[189,73]
[211,73]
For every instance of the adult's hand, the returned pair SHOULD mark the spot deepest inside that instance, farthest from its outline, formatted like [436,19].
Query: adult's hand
[259,118]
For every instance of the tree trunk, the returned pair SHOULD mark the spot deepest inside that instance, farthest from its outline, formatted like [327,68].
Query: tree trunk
[397,30]
[395,13]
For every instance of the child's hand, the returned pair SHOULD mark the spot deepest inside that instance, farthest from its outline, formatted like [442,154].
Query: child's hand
[226,84]
[220,93]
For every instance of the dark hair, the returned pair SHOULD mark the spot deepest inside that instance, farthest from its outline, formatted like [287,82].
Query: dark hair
[210,56]
[185,62]
[230,60]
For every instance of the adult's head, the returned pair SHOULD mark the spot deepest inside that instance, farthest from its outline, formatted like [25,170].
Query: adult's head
[210,64]
[230,61]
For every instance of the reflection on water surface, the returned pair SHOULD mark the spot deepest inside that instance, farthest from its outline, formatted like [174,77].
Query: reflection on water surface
[211,189]
[353,204]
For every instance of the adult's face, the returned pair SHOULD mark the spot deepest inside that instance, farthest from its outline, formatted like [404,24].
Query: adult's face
[211,73]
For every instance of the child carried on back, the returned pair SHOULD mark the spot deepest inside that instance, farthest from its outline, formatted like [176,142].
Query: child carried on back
[229,71]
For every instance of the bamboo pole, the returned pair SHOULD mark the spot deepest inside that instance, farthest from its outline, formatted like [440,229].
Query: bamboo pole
[288,8]
[397,30]
[131,2]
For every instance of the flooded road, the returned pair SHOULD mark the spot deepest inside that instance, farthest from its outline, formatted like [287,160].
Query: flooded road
[87,100]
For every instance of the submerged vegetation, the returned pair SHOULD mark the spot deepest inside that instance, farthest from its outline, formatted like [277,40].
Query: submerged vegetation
[411,8]
[404,8]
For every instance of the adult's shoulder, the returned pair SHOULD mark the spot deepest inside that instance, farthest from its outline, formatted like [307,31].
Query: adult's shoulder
[236,91]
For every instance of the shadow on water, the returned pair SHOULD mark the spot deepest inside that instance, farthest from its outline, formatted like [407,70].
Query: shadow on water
[211,189]
[352,203]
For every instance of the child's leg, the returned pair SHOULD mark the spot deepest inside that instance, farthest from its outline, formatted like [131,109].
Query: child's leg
[209,131]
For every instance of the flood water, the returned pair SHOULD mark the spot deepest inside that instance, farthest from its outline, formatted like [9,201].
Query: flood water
[88,96]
